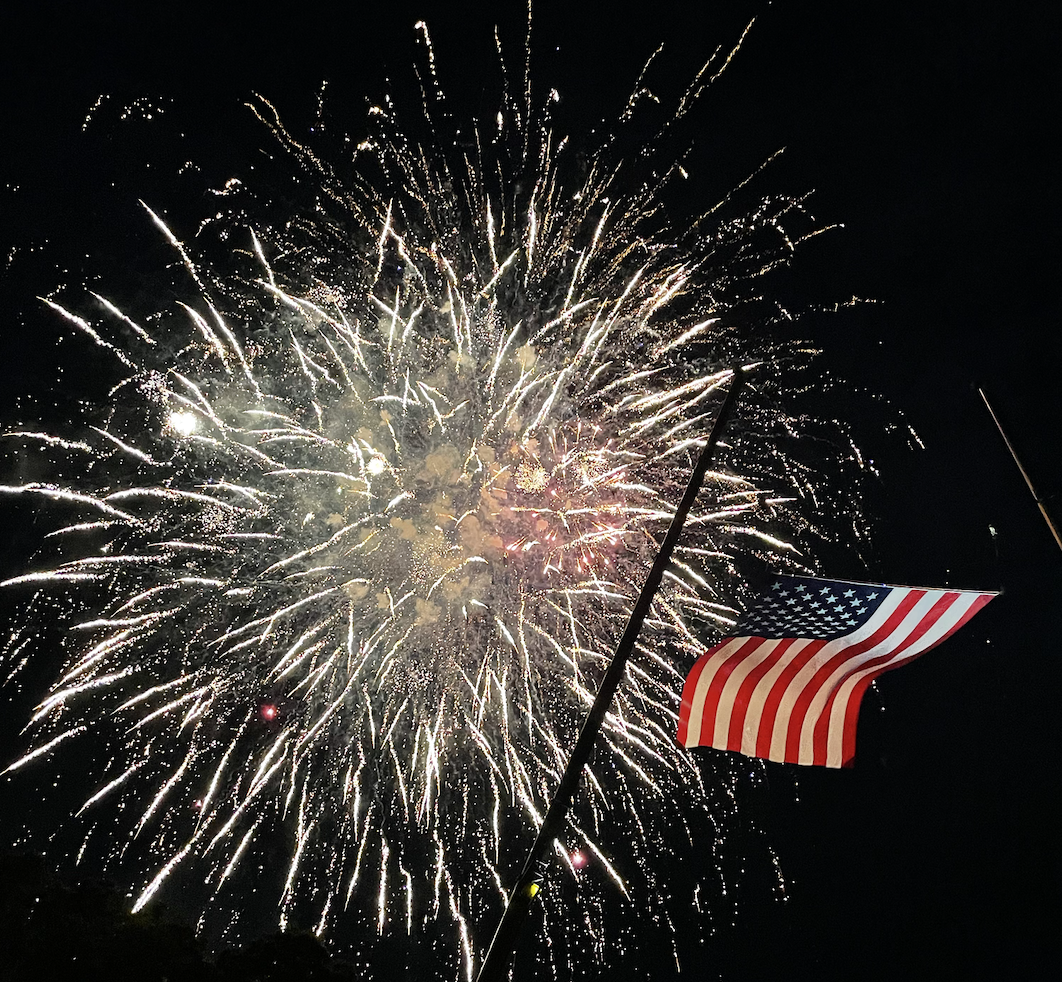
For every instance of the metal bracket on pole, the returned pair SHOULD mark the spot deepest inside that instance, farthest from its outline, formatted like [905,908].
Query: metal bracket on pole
[499,957]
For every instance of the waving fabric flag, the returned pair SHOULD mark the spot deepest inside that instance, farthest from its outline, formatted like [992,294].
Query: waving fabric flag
[788,685]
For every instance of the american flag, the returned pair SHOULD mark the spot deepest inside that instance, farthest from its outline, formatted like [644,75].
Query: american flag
[788,685]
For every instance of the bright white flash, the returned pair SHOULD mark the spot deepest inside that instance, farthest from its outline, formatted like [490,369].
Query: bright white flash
[182,422]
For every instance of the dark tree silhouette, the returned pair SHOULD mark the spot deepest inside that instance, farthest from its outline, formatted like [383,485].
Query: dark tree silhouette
[51,929]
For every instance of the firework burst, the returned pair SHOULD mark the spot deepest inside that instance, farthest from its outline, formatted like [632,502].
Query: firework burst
[348,547]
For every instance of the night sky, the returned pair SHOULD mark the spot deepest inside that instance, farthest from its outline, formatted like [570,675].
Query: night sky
[928,131]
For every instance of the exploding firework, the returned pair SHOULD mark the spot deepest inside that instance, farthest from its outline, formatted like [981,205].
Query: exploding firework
[342,556]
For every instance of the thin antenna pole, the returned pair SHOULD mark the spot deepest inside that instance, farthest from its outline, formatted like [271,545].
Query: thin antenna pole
[500,955]
[1032,490]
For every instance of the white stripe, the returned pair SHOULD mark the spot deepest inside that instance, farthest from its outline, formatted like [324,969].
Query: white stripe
[897,637]
[945,625]
[704,681]
[758,696]
[730,690]
[824,654]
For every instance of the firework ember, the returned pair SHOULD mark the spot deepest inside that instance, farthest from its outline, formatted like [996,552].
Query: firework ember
[344,554]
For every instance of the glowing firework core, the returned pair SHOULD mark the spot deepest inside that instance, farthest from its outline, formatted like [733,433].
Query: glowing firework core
[182,422]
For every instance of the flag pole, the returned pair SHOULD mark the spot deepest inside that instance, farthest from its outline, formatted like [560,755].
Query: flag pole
[499,958]
[1039,501]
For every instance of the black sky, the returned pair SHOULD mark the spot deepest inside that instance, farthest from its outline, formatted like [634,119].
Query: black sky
[929,132]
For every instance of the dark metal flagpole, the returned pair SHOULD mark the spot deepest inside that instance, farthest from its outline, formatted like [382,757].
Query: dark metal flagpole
[1028,481]
[499,958]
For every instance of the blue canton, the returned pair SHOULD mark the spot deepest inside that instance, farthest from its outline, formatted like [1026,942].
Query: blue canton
[803,607]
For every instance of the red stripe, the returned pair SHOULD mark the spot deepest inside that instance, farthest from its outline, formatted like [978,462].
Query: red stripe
[851,715]
[745,691]
[774,698]
[820,737]
[690,689]
[803,701]
[715,687]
